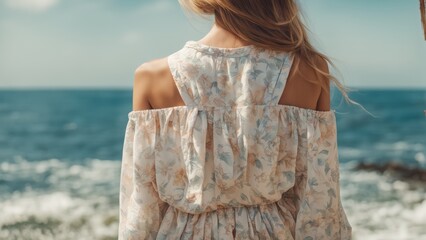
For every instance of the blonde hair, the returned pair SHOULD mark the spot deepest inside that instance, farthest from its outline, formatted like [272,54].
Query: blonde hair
[271,24]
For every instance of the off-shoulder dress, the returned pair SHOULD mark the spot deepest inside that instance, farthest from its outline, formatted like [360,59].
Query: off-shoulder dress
[232,163]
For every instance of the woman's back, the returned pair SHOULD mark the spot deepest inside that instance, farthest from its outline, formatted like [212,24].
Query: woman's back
[231,162]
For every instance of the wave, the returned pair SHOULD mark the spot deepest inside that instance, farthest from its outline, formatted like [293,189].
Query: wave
[382,206]
[55,199]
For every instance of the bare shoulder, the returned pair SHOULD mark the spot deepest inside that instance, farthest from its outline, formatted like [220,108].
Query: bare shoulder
[323,103]
[151,69]
[304,84]
[145,77]
[309,74]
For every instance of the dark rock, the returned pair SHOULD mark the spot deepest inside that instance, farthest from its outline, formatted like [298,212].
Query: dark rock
[395,169]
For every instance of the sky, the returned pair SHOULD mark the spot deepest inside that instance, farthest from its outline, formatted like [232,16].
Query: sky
[100,43]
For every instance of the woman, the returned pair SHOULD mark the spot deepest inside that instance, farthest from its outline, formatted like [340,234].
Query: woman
[232,136]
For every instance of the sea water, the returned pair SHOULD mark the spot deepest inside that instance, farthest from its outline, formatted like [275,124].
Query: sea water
[60,153]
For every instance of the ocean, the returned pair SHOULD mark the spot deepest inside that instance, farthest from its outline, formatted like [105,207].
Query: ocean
[60,153]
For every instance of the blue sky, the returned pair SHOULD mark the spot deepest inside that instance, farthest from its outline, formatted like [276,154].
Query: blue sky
[99,43]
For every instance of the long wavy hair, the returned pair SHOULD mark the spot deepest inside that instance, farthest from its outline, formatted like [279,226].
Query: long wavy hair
[271,24]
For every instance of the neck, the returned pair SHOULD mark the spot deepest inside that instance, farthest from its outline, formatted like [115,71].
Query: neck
[220,37]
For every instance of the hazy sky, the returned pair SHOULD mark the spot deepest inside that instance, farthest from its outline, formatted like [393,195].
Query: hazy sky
[99,43]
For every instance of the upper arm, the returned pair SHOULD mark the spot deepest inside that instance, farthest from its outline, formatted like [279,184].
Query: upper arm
[323,103]
[141,88]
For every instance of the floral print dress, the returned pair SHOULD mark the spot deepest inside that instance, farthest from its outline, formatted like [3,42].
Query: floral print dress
[232,163]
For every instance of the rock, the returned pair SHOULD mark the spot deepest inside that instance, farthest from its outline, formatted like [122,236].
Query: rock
[395,169]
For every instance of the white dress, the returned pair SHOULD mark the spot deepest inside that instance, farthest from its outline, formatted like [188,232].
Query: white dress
[232,163]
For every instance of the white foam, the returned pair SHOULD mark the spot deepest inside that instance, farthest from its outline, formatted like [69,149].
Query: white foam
[67,217]
[420,157]
[348,152]
[80,201]
[380,207]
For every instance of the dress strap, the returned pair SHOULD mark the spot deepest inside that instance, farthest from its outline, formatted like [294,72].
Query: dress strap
[177,69]
[276,89]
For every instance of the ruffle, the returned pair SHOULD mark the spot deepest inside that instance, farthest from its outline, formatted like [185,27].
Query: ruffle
[201,159]
[270,221]
[274,221]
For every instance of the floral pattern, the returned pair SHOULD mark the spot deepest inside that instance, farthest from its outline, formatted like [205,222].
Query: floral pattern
[232,163]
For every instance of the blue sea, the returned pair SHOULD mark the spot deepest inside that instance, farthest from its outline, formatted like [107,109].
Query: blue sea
[60,153]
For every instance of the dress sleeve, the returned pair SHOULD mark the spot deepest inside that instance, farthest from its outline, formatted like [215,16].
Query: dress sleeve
[320,214]
[141,210]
